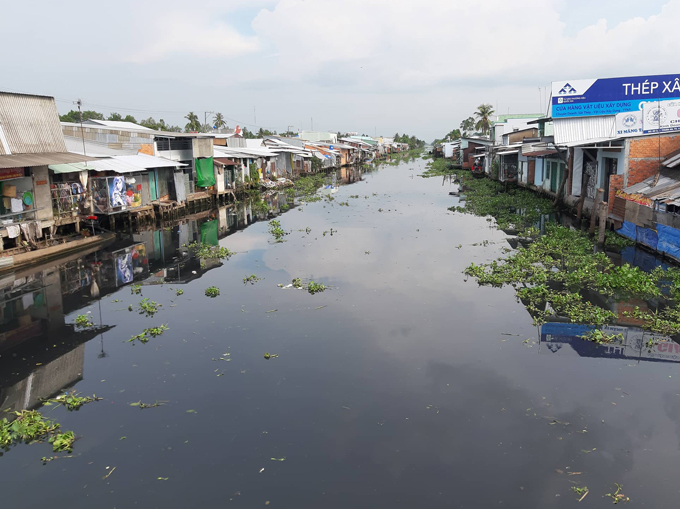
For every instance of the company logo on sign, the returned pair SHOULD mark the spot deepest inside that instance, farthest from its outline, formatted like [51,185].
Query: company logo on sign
[656,116]
[567,89]
[630,121]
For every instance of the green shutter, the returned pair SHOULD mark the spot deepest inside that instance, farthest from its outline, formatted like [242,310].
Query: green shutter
[205,172]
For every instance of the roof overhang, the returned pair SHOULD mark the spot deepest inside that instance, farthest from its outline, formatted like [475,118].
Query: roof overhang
[42,159]
[225,161]
[539,153]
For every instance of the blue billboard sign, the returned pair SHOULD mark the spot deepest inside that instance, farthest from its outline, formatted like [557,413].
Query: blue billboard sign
[612,96]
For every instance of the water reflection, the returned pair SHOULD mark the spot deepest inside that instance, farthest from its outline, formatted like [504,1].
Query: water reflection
[33,305]
[629,343]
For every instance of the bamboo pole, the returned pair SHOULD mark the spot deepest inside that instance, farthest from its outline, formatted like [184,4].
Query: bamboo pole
[593,211]
[604,209]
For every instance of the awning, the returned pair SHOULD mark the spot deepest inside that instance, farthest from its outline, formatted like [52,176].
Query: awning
[539,153]
[592,141]
[145,161]
[114,165]
[69,167]
[43,159]
[508,152]
[225,161]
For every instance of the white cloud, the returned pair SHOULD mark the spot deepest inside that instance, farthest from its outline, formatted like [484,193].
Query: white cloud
[415,45]
[190,33]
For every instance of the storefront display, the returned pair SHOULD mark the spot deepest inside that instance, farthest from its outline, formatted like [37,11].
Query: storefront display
[115,194]
[16,190]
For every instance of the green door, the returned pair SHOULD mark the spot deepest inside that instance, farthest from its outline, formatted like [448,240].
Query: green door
[153,175]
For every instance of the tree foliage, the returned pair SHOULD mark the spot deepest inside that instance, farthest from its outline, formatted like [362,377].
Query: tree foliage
[218,121]
[193,124]
[160,125]
[411,141]
[483,115]
[74,116]
[467,126]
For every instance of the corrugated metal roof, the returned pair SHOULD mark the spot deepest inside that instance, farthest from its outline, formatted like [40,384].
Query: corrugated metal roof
[583,129]
[43,159]
[672,162]
[118,164]
[113,164]
[30,125]
[70,167]
[592,141]
[145,161]
[539,153]
[225,161]
[116,124]
[666,189]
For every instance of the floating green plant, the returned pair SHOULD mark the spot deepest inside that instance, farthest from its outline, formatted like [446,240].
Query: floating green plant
[212,292]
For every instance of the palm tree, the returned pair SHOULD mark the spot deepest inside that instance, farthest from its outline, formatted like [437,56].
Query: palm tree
[194,124]
[483,114]
[219,121]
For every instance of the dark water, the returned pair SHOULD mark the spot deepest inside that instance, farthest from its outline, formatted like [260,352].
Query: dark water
[410,387]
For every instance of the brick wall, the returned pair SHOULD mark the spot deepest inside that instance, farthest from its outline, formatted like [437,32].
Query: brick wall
[643,161]
[615,182]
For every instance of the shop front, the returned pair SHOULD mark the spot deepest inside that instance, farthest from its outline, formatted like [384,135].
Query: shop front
[16,188]
[118,193]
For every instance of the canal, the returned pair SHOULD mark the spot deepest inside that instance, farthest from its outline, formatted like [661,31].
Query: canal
[403,384]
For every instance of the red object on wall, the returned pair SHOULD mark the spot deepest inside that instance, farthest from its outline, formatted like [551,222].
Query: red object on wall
[11,173]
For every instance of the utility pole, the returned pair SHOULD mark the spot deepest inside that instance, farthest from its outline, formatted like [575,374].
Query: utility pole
[205,119]
[80,113]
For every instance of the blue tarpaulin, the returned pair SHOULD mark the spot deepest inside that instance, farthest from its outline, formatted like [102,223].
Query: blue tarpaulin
[627,230]
[647,237]
[669,241]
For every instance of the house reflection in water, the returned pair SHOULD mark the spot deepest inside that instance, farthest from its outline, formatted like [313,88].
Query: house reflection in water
[40,354]
[633,344]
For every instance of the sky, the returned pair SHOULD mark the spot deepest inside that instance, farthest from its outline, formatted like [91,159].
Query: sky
[373,66]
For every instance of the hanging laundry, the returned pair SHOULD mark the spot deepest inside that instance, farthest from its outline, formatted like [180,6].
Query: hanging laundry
[28,232]
[13,231]
[17,205]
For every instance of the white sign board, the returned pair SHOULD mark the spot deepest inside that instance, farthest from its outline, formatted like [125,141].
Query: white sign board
[629,124]
[659,116]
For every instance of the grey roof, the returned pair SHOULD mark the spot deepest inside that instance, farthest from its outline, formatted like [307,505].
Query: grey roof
[116,124]
[29,124]
[672,162]
[666,190]
[41,159]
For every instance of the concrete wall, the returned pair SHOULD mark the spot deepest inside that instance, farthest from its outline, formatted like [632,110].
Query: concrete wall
[42,194]
[202,147]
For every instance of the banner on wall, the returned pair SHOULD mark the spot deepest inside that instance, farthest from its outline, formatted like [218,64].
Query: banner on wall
[610,96]
[124,192]
[641,104]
